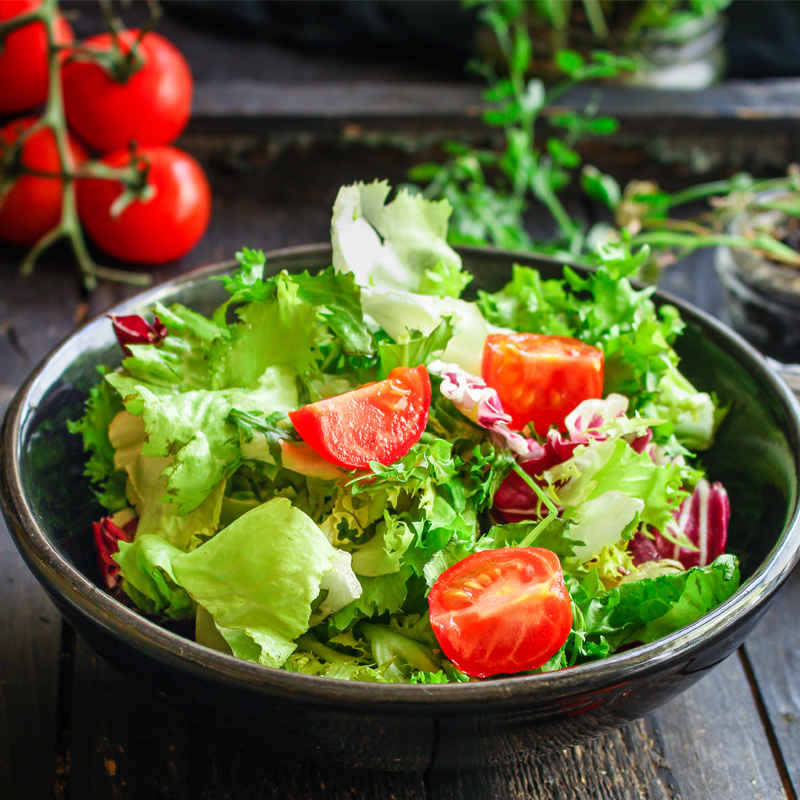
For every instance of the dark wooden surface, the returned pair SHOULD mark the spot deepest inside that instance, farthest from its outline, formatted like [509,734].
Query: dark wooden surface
[72,727]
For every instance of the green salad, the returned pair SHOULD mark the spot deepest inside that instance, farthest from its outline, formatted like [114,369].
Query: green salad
[359,474]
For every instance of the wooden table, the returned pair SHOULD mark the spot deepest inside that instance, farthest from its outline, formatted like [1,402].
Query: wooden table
[72,727]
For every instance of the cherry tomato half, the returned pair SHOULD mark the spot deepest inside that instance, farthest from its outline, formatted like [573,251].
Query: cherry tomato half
[160,229]
[32,206]
[540,379]
[24,70]
[501,611]
[151,108]
[376,422]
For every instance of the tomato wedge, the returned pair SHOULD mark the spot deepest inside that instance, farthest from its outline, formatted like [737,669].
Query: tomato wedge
[501,611]
[376,422]
[540,379]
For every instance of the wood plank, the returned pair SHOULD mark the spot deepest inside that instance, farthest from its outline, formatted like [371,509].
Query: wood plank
[773,654]
[29,663]
[33,318]
[254,83]
[128,744]
[234,105]
[707,743]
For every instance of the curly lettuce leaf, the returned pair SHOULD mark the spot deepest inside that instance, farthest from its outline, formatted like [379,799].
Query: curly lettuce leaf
[146,488]
[415,349]
[390,245]
[194,429]
[108,482]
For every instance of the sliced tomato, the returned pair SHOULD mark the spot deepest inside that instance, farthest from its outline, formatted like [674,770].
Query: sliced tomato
[376,422]
[501,611]
[540,379]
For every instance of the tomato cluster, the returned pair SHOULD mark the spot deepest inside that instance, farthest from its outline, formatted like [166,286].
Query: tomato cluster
[142,115]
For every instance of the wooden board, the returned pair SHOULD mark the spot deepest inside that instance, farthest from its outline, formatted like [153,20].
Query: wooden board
[773,655]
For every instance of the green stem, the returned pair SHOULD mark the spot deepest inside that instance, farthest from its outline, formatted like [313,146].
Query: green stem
[54,118]
[704,190]
[596,18]
[687,242]
[540,493]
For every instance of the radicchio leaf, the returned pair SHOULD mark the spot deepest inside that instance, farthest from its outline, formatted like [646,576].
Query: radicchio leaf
[476,401]
[107,535]
[703,520]
[133,329]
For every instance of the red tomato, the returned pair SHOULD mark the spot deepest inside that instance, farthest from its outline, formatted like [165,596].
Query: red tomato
[501,611]
[151,108]
[376,422]
[540,379]
[24,71]
[33,205]
[163,228]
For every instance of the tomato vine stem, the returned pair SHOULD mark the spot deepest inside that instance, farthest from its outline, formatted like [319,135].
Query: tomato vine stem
[133,176]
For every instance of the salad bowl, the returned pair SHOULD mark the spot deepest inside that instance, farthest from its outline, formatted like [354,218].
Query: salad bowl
[49,507]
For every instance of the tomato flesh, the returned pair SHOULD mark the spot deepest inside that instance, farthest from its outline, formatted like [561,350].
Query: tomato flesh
[377,422]
[501,611]
[540,379]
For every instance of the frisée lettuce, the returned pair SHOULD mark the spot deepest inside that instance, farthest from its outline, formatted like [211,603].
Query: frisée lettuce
[289,559]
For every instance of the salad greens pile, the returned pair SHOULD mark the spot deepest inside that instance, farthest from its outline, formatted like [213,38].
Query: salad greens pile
[218,512]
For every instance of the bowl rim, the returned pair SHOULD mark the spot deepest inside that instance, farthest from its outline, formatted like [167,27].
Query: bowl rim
[79,594]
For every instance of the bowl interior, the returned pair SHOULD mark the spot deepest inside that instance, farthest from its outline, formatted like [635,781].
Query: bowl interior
[754,456]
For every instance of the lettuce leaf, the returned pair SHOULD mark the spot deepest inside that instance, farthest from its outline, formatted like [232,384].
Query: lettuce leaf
[259,618]
[148,578]
[390,245]
[146,488]
[108,482]
[194,431]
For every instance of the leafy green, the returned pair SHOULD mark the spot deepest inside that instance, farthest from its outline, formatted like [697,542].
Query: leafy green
[416,349]
[640,611]
[260,619]
[446,279]
[102,405]
[149,579]
[194,430]
[391,245]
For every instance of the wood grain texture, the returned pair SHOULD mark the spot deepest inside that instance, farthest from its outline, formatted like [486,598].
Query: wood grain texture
[773,654]
[33,318]
[129,745]
[707,743]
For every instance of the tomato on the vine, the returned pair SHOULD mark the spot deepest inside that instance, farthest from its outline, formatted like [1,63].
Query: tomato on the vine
[152,107]
[501,611]
[539,378]
[151,231]
[24,68]
[33,205]
[376,422]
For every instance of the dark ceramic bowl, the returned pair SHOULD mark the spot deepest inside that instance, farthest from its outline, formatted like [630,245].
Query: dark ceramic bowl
[401,727]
